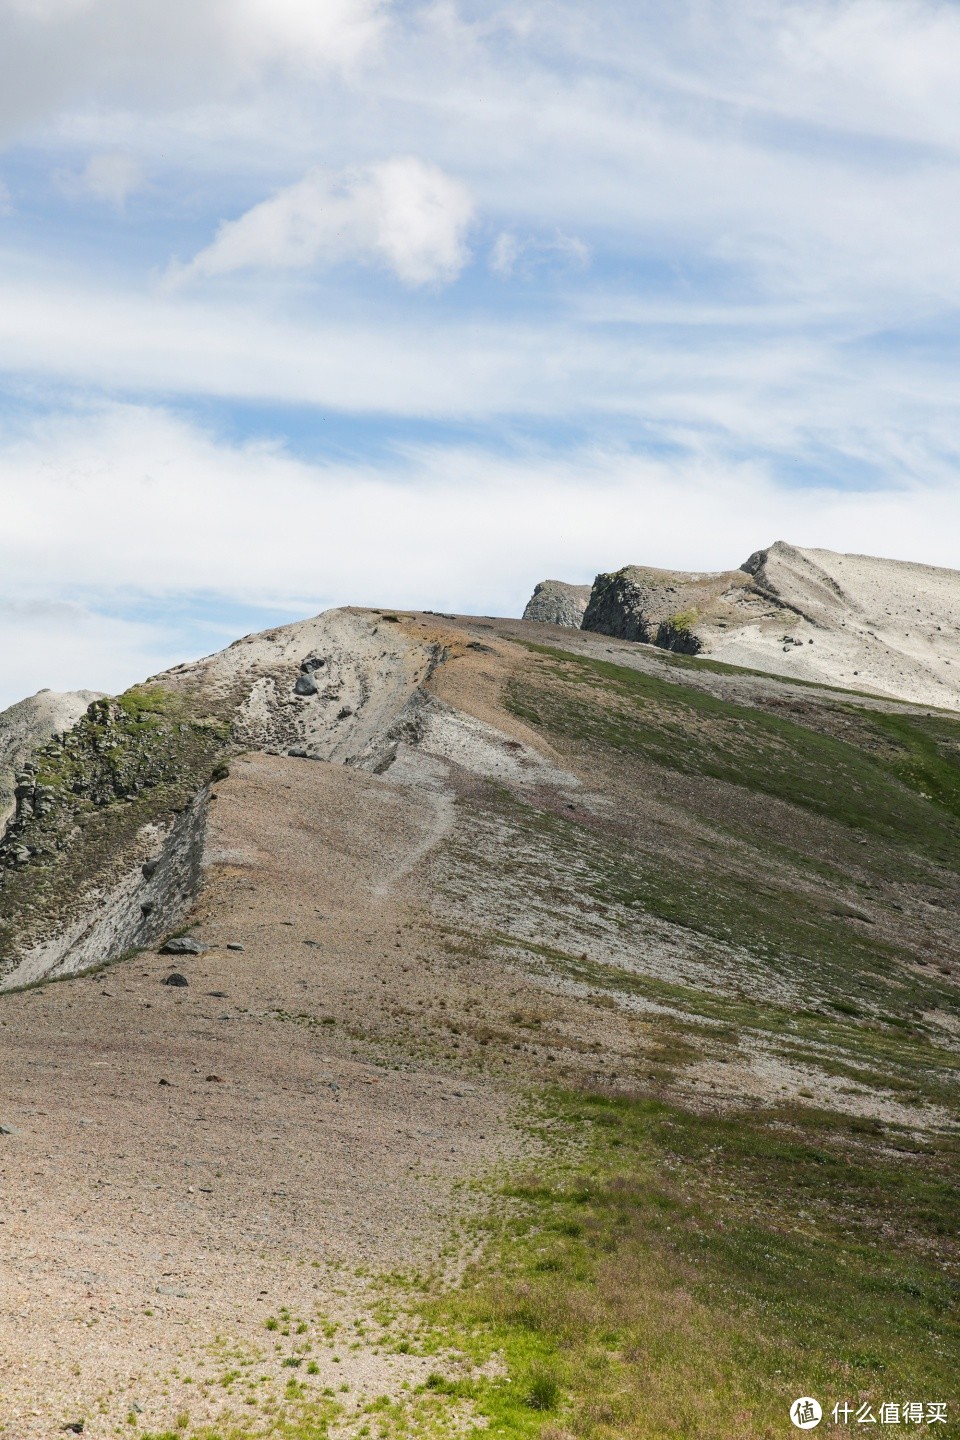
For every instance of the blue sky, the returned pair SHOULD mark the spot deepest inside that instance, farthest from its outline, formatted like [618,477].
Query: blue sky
[312,302]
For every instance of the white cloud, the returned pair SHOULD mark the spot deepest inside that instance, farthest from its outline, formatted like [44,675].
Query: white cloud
[58,645]
[112,177]
[160,53]
[402,214]
[513,254]
[132,504]
[334,31]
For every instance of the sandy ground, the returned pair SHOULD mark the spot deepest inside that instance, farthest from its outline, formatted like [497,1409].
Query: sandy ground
[142,1219]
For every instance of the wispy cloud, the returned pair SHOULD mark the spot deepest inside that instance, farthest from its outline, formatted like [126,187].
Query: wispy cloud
[112,178]
[717,259]
[513,255]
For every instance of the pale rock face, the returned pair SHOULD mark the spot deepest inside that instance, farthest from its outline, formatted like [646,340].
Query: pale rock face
[554,602]
[27,726]
[888,627]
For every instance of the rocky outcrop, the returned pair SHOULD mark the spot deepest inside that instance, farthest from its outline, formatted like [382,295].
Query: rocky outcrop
[93,806]
[889,627]
[134,910]
[554,602]
[125,787]
[669,608]
[27,726]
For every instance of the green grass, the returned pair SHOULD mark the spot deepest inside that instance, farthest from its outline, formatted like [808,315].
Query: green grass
[787,936]
[855,782]
[690,1276]
[882,1053]
[867,808]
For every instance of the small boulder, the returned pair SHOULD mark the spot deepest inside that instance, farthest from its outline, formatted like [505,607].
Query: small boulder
[234,945]
[182,945]
[176,979]
[306,685]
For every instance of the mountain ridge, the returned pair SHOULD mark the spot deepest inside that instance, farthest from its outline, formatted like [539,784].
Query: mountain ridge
[861,622]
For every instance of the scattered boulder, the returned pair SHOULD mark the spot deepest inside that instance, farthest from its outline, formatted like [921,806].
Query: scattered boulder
[234,945]
[182,945]
[176,979]
[554,602]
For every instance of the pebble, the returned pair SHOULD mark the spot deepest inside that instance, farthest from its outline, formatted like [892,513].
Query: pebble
[233,945]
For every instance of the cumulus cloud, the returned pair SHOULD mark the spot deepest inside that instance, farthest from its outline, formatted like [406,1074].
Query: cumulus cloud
[403,214]
[112,177]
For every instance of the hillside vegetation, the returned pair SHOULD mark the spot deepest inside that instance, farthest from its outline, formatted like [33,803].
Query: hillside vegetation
[593,1065]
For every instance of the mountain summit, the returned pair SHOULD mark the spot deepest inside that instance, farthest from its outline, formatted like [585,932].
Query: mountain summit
[890,627]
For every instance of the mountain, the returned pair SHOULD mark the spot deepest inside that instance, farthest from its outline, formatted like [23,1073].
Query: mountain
[465,1022]
[29,724]
[885,626]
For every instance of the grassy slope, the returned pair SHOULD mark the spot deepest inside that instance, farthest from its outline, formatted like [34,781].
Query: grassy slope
[668,1271]
[686,1274]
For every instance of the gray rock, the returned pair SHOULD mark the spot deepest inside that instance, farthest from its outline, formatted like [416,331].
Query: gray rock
[234,945]
[315,662]
[175,979]
[182,945]
[554,602]
[344,711]
[654,607]
[8,1130]
[306,685]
